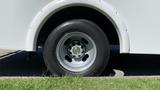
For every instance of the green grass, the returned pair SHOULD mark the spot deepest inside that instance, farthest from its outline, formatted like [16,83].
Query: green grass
[78,83]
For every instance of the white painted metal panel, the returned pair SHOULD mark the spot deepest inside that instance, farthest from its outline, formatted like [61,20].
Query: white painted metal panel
[142,18]
[15,19]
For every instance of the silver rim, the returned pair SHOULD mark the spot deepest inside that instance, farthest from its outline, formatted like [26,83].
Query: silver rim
[76,51]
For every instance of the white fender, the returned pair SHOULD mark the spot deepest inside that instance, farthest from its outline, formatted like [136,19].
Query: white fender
[56,5]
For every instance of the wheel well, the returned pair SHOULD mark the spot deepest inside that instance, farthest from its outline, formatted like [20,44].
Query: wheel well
[79,12]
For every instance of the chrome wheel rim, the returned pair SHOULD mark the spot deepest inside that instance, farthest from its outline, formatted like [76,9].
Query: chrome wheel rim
[76,51]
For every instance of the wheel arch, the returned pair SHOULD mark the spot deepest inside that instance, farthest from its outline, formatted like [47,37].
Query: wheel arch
[58,5]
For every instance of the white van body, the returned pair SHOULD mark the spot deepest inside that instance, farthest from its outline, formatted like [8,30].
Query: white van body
[137,22]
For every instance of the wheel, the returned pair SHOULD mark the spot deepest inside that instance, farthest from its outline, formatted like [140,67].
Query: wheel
[76,47]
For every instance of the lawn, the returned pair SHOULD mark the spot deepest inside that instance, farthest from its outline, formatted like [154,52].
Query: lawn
[79,83]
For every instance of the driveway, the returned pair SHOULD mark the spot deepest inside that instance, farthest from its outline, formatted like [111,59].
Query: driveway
[17,63]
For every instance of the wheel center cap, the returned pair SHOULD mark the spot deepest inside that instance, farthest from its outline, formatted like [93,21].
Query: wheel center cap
[76,51]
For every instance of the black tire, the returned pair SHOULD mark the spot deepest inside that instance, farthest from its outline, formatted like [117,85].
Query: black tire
[78,25]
